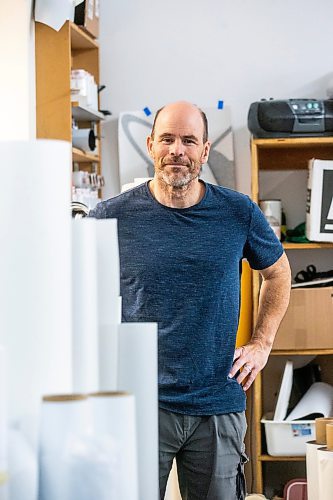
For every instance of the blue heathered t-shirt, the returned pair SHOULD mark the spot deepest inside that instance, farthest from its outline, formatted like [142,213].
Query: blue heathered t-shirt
[181,268]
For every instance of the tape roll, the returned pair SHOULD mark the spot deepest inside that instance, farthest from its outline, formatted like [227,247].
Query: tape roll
[321,424]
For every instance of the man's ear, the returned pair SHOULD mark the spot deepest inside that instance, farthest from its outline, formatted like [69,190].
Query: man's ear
[205,152]
[150,148]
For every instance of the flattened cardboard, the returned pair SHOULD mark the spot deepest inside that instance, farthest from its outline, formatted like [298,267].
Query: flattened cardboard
[308,323]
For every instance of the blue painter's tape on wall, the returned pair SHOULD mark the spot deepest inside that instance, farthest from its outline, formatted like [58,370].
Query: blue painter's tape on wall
[220,105]
[147,111]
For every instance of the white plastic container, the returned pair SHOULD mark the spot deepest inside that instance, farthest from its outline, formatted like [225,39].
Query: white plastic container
[288,438]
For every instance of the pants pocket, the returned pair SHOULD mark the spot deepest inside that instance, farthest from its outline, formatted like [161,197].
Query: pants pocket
[240,480]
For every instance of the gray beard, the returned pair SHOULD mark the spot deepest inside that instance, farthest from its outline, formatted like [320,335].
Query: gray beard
[178,182]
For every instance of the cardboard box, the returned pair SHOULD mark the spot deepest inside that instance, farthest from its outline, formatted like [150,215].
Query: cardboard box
[308,323]
[319,207]
[87,16]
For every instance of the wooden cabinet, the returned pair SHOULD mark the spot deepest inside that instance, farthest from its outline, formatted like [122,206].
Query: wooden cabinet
[57,53]
[272,157]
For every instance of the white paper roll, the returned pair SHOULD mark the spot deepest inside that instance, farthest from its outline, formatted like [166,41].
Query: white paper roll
[120,306]
[84,139]
[312,470]
[108,357]
[22,467]
[64,426]
[35,270]
[108,271]
[325,474]
[317,399]
[284,392]
[109,301]
[85,309]
[3,429]
[137,373]
[114,422]
[54,13]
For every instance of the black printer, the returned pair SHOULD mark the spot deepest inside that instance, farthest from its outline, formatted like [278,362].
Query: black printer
[291,118]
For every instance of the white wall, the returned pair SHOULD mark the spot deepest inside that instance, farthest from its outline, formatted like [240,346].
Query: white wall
[154,52]
[17,82]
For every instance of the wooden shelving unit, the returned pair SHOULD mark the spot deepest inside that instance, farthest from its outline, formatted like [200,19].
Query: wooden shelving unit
[85,114]
[306,246]
[269,155]
[302,352]
[82,157]
[80,40]
[57,53]
[269,458]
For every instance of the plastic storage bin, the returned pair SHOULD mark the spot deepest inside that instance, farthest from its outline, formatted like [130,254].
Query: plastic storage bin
[288,438]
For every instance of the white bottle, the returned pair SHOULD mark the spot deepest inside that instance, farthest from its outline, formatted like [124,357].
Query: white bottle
[273,222]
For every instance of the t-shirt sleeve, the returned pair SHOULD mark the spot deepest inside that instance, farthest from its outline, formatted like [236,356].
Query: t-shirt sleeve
[99,212]
[262,248]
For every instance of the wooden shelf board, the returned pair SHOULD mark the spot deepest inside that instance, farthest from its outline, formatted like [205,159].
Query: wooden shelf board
[296,142]
[303,352]
[306,246]
[82,157]
[290,153]
[82,113]
[80,40]
[270,458]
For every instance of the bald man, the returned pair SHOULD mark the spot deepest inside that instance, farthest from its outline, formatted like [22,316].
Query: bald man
[182,242]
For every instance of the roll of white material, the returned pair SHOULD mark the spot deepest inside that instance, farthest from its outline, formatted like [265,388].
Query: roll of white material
[137,373]
[317,399]
[108,357]
[22,467]
[325,474]
[109,301]
[84,139]
[312,470]
[54,13]
[35,270]
[114,422]
[120,306]
[85,309]
[64,426]
[3,428]
[108,271]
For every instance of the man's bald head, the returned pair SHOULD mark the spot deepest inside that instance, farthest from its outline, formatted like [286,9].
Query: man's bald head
[178,106]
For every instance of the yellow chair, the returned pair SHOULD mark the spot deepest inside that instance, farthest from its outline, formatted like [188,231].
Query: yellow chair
[244,331]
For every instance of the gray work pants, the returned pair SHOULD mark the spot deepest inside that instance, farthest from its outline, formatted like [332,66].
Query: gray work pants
[209,453]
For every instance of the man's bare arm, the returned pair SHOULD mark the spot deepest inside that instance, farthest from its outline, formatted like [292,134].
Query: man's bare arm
[273,302]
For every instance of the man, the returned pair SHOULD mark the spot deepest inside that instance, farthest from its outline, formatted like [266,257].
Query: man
[181,246]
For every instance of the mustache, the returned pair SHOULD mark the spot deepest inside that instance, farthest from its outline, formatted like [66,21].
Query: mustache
[175,160]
